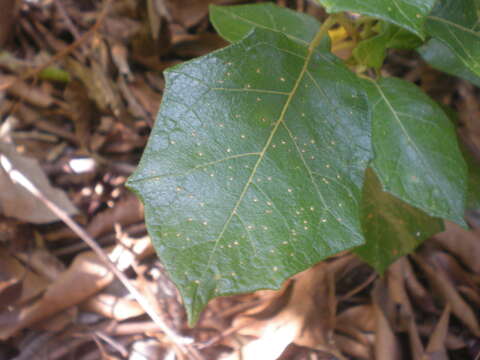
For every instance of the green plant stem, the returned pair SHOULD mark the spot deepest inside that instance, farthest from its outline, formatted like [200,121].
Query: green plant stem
[327,24]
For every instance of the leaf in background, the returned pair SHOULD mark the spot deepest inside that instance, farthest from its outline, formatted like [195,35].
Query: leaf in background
[408,14]
[456,25]
[442,58]
[371,52]
[233,23]
[254,169]
[391,227]
[16,201]
[473,195]
[417,157]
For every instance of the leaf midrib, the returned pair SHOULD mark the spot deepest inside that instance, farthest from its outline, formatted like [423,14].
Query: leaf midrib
[310,51]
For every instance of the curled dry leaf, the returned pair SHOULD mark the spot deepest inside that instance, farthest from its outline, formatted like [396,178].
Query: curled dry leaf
[15,200]
[302,313]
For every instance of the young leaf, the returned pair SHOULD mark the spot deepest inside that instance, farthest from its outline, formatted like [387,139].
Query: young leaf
[254,169]
[408,14]
[456,25]
[417,157]
[233,23]
[392,228]
[442,58]
[371,52]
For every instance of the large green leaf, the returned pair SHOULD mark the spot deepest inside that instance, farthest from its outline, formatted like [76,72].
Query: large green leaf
[456,25]
[417,157]
[392,228]
[442,58]
[408,14]
[255,166]
[371,52]
[233,23]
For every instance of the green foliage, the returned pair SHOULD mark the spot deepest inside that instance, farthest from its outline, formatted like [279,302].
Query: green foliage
[257,165]
[456,25]
[233,23]
[372,51]
[250,162]
[442,58]
[391,227]
[409,14]
[417,157]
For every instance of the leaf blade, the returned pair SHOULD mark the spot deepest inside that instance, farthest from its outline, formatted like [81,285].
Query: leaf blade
[417,157]
[235,22]
[408,14]
[371,52]
[272,181]
[442,58]
[456,25]
[392,227]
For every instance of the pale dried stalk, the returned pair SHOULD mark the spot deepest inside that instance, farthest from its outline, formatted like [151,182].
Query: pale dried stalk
[181,343]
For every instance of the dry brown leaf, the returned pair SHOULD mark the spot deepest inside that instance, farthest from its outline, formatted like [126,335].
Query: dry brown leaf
[420,295]
[85,277]
[100,88]
[43,263]
[462,243]
[15,200]
[404,312]
[60,321]
[82,110]
[145,96]
[386,344]
[360,316]
[7,18]
[353,348]
[443,286]
[436,344]
[31,94]
[11,268]
[197,45]
[127,211]
[188,12]
[452,342]
[113,307]
[10,291]
[303,312]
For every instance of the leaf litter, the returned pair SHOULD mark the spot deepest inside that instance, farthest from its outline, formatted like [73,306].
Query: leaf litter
[97,101]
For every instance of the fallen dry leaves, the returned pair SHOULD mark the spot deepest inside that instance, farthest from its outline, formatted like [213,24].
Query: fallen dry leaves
[80,85]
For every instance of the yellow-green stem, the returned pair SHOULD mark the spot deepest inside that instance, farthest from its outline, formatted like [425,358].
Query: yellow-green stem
[327,24]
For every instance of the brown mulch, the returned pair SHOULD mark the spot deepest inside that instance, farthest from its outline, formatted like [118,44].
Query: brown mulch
[80,85]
